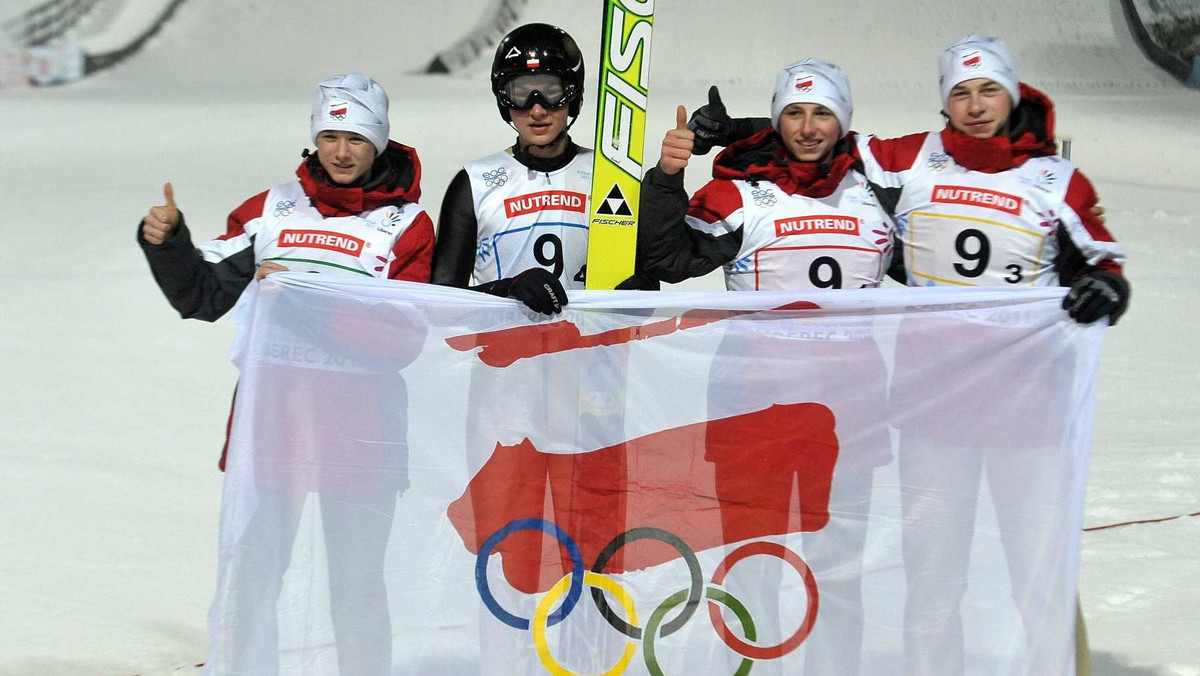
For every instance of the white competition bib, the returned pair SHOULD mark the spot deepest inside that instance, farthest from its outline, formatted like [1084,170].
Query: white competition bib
[986,252]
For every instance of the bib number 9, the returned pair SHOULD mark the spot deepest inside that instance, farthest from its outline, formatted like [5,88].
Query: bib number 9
[560,249]
[972,246]
[825,273]
[553,259]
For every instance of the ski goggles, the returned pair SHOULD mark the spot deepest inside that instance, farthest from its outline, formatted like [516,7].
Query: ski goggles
[522,91]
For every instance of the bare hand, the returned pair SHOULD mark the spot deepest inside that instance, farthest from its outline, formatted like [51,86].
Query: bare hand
[677,145]
[1098,212]
[161,221]
[267,268]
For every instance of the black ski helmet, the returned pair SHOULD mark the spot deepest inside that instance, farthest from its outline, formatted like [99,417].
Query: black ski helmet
[539,48]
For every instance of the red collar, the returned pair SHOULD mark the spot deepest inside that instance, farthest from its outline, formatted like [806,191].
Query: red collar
[401,184]
[1034,138]
[763,157]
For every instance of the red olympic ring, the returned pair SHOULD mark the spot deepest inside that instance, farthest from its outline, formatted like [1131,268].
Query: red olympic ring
[768,652]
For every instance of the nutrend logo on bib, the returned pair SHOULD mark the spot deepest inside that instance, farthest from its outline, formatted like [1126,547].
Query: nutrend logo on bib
[550,200]
[977,197]
[320,239]
[817,225]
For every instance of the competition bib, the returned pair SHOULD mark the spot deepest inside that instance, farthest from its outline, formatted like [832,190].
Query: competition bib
[560,248]
[971,251]
[813,266]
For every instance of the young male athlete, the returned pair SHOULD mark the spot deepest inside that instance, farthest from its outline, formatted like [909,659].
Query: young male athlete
[788,208]
[515,223]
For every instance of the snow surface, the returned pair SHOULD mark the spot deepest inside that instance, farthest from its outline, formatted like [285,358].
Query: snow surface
[112,410]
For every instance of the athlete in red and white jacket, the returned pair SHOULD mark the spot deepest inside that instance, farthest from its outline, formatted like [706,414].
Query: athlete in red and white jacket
[310,224]
[788,208]
[980,208]
[351,210]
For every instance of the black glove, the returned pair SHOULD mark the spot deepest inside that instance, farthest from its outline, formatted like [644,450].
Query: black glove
[539,290]
[711,124]
[1096,294]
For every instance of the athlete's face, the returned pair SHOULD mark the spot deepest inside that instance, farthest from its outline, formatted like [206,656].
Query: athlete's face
[538,126]
[345,155]
[979,108]
[809,131]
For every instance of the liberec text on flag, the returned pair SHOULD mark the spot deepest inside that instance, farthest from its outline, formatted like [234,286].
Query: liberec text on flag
[430,480]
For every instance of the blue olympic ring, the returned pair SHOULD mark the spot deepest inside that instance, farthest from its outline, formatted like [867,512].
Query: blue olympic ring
[573,594]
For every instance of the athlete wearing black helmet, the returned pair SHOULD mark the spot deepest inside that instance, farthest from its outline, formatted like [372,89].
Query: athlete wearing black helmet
[515,223]
[537,62]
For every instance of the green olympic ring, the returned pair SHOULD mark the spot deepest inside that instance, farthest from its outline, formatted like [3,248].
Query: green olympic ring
[713,594]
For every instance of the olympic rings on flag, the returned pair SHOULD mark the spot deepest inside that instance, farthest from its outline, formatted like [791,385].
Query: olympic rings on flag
[485,592]
[695,593]
[572,586]
[810,618]
[597,582]
[714,594]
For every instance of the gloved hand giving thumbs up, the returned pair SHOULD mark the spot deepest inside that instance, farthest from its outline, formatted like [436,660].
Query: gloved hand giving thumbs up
[711,123]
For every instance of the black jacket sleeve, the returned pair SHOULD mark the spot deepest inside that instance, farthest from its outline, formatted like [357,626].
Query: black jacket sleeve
[196,288]
[1071,263]
[454,252]
[668,249]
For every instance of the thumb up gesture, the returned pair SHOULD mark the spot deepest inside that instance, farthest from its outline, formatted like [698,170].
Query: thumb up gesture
[677,145]
[161,220]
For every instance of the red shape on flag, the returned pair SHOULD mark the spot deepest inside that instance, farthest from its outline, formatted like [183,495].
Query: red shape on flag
[710,483]
[504,347]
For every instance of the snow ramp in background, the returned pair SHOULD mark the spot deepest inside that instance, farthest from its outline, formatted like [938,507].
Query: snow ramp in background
[264,47]
[1081,52]
[1076,44]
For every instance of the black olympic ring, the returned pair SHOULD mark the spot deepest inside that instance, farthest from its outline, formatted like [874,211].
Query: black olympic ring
[695,593]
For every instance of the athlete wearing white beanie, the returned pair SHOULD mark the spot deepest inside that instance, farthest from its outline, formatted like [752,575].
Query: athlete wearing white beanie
[355,103]
[813,81]
[978,56]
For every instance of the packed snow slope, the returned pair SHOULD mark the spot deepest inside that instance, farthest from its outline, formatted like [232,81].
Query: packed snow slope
[112,409]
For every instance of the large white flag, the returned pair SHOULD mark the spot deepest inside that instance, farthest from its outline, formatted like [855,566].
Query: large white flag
[424,480]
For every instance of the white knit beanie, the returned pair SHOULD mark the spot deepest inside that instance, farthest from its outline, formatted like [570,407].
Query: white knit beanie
[813,81]
[978,56]
[352,102]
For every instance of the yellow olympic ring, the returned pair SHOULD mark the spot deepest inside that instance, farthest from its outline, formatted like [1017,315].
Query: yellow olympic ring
[547,603]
